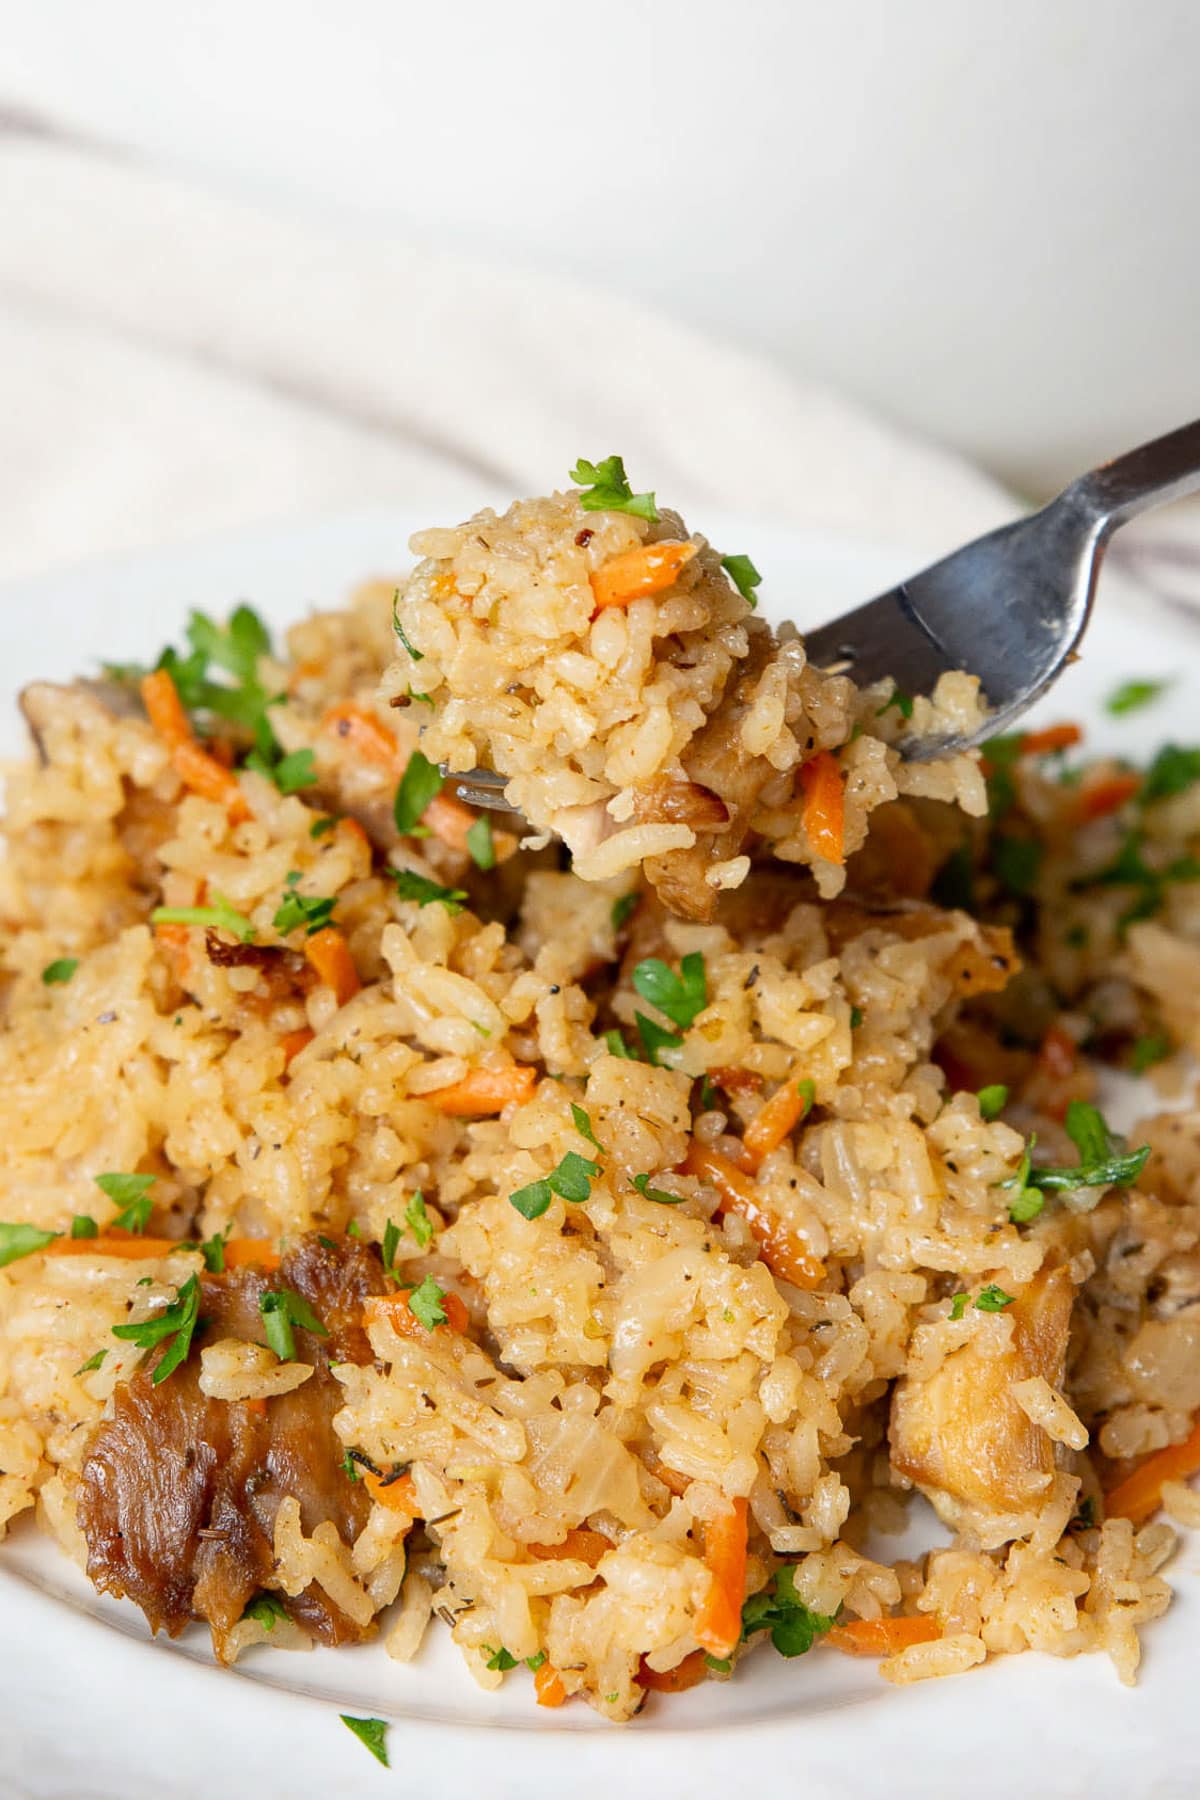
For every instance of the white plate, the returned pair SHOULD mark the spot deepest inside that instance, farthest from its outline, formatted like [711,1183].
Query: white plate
[91,1707]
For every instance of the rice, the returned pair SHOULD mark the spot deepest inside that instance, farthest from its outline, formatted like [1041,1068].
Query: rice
[658,1318]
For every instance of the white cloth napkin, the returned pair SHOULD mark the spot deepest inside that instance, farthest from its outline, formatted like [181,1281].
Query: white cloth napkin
[176,363]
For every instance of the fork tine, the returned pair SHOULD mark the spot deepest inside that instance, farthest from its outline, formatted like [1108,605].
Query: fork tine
[481,787]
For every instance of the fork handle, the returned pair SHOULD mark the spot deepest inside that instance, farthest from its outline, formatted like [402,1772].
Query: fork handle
[1165,469]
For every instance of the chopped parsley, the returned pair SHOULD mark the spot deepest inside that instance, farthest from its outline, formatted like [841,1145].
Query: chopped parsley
[1130,869]
[654,1038]
[535,1662]
[583,1124]
[418,785]
[1104,1160]
[84,1226]
[572,1180]
[501,1659]
[411,886]
[618,1047]
[397,627]
[744,576]
[681,997]
[794,1627]
[17,1241]
[1133,694]
[281,1309]
[416,1217]
[1085,1517]
[221,915]
[992,1299]
[390,1245]
[213,1252]
[958,1305]
[92,1363]
[606,489]
[660,1196]
[177,1322]
[1173,771]
[56,974]
[902,702]
[320,826]
[266,1610]
[992,1101]
[132,1194]
[1000,755]
[425,1304]
[480,842]
[1147,1051]
[856,1017]
[372,1733]
[720,1665]
[291,773]
[312,911]
[624,908]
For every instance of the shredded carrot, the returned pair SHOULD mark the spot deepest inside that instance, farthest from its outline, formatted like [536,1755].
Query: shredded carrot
[131,1247]
[486,1091]
[449,820]
[293,1042]
[1057,1055]
[400,1316]
[776,1119]
[1140,1494]
[883,1637]
[203,775]
[824,806]
[366,735]
[329,954]
[647,570]
[1053,737]
[581,1544]
[1108,795]
[399,1495]
[719,1621]
[686,1674]
[547,1685]
[781,1250]
[250,1253]
[165,709]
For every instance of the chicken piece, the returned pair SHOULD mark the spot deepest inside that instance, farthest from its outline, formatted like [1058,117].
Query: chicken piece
[962,1438]
[178,1492]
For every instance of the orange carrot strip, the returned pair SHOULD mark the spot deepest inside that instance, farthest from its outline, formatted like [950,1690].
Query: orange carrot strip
[646,570]
[883,1637]
[719,1621]
[547,1686]
[824,813]
[686,1674]
[131,1248]
[1108,795]
[204,775]
[366,735]
[449,820]
[329,954]
[293,1042]
[776,1119]
[581,1544]
[1140,1494]
[400,1316]
[1053,737]
[250,1253]
[486,1091]
[165,709]
[1058,1053]
[399,1495]
[781,1250]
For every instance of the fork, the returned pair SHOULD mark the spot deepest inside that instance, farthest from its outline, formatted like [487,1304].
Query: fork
[1009,607]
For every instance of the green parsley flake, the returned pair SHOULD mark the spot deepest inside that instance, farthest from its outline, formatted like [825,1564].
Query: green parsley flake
[397,627]
[92,1363]
[501,1659]
[1133,694]
[583,1124]
[281,1308]
[221,916]
[295,771]
[319,827]
[681,997]
[132,1194]
[1173,771]
[411,886]
[794,1627]
[660,1196]
[416,1217]
[84,1226]
[606,489]
[480,842]
[177,1322]
[535,1662]
[720,1665]
[418,785]
[618,1047]
[56,974]
[1147,1051]
[654,1038]
[902,702]
[17,1241]
[531,1201]
[312,911]
[744,576]
[992,1101]
[266,1610]
[992,1299]
[624,908]
[856,1017]
[958,1305]
[425,1304]
[213,1251]
[372,1733]
[1104,1160]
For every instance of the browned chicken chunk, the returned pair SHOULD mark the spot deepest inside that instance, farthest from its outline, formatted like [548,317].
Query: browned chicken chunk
[178,1492]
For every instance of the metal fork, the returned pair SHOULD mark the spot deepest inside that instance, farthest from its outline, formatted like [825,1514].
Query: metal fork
[1009,607]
